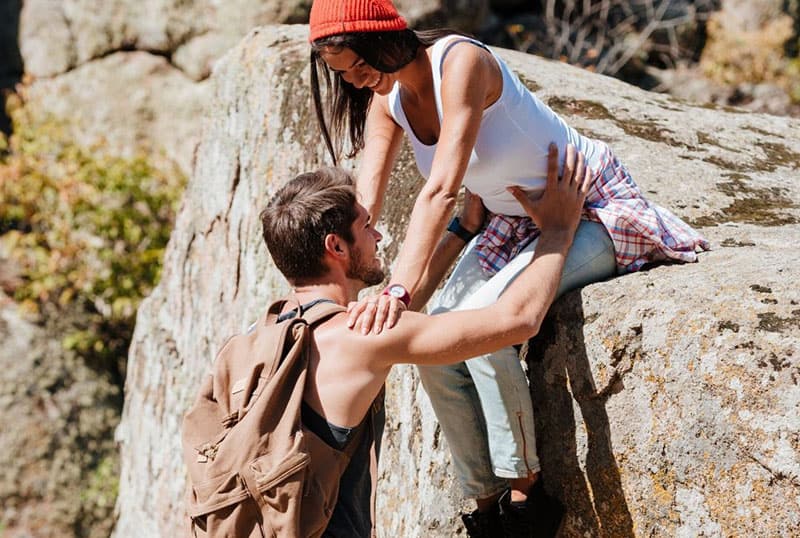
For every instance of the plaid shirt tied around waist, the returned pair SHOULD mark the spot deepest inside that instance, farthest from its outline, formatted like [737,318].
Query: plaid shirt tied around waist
[642,232]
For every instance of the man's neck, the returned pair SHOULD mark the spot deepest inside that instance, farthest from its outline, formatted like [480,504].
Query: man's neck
[338,293]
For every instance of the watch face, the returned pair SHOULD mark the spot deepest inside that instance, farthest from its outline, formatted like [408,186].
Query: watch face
[397,291]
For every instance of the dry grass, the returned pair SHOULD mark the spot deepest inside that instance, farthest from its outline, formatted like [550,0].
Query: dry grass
[735,56]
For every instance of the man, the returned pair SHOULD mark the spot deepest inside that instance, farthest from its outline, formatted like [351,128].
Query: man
[324,243]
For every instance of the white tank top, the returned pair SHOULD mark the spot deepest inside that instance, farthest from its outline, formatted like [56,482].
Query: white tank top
[511,147]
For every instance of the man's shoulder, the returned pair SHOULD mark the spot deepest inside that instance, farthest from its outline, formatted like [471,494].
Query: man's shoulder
[335,336]
[349,349]
[334,333]
[416,338]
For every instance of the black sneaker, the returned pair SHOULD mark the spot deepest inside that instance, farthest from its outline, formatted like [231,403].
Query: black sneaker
[537,517]
[483,524]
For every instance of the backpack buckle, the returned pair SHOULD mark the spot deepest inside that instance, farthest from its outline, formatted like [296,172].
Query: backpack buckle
[207,452]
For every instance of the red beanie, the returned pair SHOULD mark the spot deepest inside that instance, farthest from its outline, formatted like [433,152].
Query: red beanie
[331,17]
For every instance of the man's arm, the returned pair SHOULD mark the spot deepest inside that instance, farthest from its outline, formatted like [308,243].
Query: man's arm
[516,316]
[456,336]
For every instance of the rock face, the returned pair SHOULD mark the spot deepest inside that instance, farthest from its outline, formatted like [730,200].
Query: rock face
[127,103]
[667,401]
[130,75]
[668,404]
[52,484]
[58,35]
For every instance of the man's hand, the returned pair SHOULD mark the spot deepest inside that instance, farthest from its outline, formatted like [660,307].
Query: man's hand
[559,208]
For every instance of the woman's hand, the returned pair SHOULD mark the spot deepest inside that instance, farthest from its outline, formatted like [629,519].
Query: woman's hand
[374,313]
[473,212]
[559,207]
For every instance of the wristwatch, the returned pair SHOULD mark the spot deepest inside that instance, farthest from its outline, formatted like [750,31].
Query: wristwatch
[456,228]
[398,291]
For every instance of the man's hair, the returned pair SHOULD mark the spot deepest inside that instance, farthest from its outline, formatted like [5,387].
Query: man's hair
[301,214]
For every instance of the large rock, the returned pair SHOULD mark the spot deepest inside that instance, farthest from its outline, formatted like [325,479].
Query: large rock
[667,401]
[128,103]
[58,35]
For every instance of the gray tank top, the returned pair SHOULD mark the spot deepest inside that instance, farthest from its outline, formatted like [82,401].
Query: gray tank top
[351,515]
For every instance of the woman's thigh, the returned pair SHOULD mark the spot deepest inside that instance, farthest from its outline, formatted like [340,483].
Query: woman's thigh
[467,277]
[590,259]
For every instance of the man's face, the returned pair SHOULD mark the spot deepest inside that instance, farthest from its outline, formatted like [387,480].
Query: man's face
[364,262]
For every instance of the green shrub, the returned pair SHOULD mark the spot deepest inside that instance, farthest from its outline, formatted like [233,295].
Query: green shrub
[86,232]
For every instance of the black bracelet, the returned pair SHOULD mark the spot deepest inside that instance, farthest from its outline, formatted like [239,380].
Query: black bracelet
[456,228]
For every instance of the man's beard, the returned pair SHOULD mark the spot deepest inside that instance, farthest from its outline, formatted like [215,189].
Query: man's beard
[359,270]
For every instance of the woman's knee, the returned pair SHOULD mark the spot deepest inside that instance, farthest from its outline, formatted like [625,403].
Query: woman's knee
[450,377]
[591,257]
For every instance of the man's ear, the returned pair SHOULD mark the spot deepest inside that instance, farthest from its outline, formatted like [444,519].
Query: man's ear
[336,246]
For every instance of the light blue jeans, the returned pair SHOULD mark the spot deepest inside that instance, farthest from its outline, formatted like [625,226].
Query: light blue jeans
[484,404]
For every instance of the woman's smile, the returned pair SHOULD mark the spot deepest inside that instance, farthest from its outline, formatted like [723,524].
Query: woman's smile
[377,81]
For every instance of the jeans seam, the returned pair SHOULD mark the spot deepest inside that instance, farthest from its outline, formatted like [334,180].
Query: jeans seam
[519,412]
[519,419]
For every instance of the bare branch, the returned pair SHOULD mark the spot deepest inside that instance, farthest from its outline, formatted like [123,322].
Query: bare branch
[608,34]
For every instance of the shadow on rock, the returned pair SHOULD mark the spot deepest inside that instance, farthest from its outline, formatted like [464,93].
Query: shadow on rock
[11,67]
[576,453]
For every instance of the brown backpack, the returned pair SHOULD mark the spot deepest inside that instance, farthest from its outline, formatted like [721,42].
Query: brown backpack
[254,469]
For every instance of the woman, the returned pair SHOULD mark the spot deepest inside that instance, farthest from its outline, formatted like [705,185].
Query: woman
[471,122]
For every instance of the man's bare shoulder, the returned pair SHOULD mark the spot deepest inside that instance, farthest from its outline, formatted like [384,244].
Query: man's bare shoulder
[348,348]
[332,329]
[416,338]
[334,334]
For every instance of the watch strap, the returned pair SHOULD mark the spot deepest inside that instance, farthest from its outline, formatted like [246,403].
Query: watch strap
[456,228]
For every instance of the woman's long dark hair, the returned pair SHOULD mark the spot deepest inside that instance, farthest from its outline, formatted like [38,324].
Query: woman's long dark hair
[347,105]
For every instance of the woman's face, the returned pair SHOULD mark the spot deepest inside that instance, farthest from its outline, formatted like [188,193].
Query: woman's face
[355,71]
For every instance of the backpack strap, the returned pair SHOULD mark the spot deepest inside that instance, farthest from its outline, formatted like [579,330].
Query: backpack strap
[273,314]
[319,311]
[312,312]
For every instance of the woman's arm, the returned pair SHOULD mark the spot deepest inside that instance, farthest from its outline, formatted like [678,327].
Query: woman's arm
[448,249]
[383,139]
[470,78]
